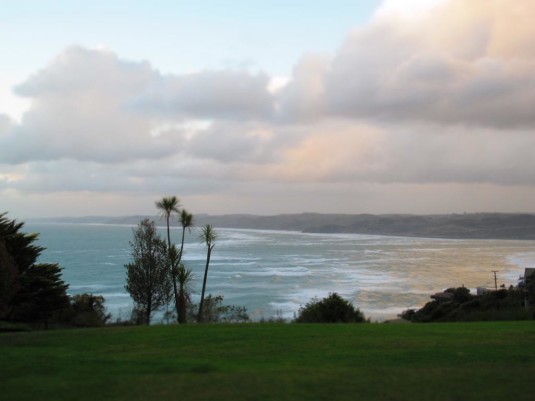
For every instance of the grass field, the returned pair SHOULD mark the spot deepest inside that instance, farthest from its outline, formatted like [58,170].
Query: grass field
[461,361]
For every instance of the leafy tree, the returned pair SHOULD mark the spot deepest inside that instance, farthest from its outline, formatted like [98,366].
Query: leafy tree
[167,206]
[332,309]
[148,278]
[31,292]
[208,237]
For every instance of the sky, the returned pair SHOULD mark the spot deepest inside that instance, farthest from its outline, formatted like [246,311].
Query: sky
[339,106]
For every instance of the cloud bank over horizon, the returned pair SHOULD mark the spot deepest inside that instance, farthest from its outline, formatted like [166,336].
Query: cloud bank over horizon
[423,111]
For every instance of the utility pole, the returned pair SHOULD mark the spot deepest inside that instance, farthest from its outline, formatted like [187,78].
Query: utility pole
[495,280]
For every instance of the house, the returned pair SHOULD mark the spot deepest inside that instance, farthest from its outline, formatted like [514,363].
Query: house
[442,296]
[528,271]
[482,290]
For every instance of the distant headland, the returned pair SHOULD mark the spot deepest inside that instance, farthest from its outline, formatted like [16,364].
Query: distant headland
[454,226]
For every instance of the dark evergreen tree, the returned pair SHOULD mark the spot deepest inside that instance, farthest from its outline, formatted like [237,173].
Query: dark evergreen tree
[9,279]
[30,292]
[42,295]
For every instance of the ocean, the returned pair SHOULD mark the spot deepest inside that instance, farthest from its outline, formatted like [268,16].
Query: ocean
[274,273]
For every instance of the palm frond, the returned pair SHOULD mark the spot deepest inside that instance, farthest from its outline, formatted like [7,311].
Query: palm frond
[208,235]
[167,205]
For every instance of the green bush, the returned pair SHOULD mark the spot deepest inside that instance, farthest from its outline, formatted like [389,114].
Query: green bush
[332,309]
[214,311]
[503,304]
[88,310]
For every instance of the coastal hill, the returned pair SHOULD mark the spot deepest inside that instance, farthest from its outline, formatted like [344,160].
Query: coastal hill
[456,226]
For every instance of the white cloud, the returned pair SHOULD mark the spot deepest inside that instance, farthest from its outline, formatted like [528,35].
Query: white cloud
[452,62]
[407,8]
[6,125]
[209,94]
[79,112]
[303,97]
[90,105]
[417,100]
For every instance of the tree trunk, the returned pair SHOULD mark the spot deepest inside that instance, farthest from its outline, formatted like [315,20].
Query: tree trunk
[182,306]
[168,233]
[200,317]
[182,245]
[148,313]
[173,276]
[149,300]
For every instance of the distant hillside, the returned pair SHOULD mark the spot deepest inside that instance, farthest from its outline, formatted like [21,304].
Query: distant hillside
[481,225]
[475,226]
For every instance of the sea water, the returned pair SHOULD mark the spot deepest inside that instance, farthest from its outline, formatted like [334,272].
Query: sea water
[274,273]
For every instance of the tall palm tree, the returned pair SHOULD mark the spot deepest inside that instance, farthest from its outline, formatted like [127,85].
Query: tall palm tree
[174,265]
[184,278]
[167,206]
[208,237]
[186,220]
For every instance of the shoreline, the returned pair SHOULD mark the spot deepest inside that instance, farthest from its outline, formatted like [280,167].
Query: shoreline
[480,226]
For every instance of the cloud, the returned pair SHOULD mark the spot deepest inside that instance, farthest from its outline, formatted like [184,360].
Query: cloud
[90,105]
[79,112]
[231,142]
[209,94]
[6,125]
[340,151]
[303,97]
[418,100]
[456,63]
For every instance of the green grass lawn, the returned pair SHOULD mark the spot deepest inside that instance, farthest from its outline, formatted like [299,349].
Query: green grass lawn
[460,361]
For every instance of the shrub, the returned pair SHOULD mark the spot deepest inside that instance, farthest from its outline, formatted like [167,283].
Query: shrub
[88,310]
[332,309]
[495,305]
[215,312]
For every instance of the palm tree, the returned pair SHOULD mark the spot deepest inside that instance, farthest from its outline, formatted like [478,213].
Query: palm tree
[174,265]
[208,237]
[184,277]
[186,220]
[168,205]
